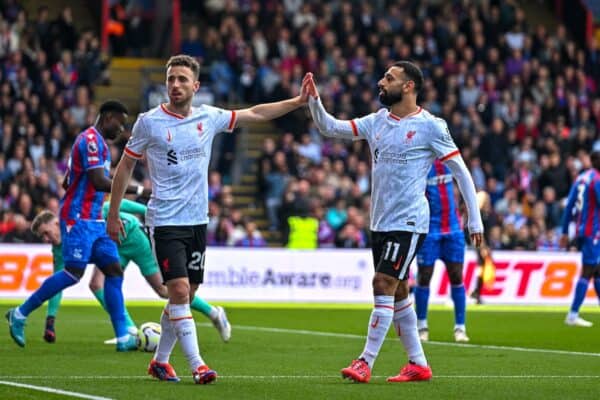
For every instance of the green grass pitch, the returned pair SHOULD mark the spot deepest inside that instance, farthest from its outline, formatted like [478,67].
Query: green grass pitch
[296,352]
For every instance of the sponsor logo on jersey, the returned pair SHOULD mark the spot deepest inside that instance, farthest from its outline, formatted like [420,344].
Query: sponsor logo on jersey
[192,154]
[92,147]
[171,157]
[389,157]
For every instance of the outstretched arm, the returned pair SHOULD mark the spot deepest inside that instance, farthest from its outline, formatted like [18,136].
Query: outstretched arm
[467,190]
[327,125]
[269,111]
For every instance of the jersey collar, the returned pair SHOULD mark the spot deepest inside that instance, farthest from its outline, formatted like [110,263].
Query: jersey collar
[163,107]
[412,114]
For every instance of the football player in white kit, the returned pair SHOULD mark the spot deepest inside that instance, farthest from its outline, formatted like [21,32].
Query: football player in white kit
[404,140]
[176,140]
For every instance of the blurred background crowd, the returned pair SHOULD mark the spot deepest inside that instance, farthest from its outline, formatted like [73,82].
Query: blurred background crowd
[521,102]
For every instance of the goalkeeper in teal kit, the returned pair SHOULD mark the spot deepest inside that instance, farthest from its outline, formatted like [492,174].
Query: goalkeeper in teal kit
[135,246]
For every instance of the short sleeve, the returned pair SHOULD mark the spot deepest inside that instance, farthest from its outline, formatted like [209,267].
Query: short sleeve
[138,141]
[223,120]
[361,127]
[442,143]
[91,152]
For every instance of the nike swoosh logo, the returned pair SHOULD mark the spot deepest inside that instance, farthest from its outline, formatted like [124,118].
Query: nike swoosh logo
[397,265]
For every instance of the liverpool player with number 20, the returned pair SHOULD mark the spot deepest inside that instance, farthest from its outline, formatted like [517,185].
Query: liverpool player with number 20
[176,140]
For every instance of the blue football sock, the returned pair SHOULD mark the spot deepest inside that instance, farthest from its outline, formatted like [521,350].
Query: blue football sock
[113,296]
[580,291]
[460,303]
[51,286]
[421,302]
[597,287]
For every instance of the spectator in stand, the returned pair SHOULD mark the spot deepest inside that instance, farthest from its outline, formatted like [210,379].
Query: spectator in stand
[192,45]
[251,236]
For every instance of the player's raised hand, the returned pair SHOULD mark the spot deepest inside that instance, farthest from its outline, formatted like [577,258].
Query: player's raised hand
[476,239]
[309,83]
[304,91]
[115,228]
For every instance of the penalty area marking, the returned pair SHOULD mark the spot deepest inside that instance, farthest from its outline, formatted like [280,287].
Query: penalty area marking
[51,390]
[435,343]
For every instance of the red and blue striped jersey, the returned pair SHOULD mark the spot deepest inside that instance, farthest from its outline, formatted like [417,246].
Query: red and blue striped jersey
[583,205]
[81,200]
[443,209]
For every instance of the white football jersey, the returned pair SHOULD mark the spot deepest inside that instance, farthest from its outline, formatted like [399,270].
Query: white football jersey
[177,150]
[402,151]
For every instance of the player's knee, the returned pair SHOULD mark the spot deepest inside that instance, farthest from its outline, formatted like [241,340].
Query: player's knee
[384,285]
[587,272]
[455,278]
[94,285]
[112,270]
[179,293]
[424,276]
[77,273]
[455,274]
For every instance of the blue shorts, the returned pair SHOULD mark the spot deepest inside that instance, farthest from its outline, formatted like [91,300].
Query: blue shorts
[449,248]
[86,242]
[590,251]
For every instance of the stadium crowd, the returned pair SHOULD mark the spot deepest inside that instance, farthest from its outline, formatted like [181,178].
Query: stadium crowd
[46,85]
[520,102]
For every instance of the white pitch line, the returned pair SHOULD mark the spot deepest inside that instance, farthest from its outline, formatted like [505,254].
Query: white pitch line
[266,377]
[522,349]
[55,391]
[435,343]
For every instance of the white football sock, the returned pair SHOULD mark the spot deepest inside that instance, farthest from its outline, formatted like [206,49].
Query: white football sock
[185,329]
[405,322]
[167,339]
[379,324]
[422,324]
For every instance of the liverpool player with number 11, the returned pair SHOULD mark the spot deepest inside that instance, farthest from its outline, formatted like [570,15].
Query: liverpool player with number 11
[404,140]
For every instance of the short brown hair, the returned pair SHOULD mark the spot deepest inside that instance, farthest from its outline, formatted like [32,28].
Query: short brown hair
[184,60]
[42,218]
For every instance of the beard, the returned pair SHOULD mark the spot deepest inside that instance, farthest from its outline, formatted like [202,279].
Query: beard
[387,98]
[181,100]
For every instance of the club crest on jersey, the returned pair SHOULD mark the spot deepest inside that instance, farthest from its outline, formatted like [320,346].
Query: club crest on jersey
[169,136]
[199,128]
[409,136]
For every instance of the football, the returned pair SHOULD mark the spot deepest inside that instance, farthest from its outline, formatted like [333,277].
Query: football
[148,336]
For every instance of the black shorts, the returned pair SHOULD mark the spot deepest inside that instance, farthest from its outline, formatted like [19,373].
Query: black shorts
[180,251]
[394,251]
